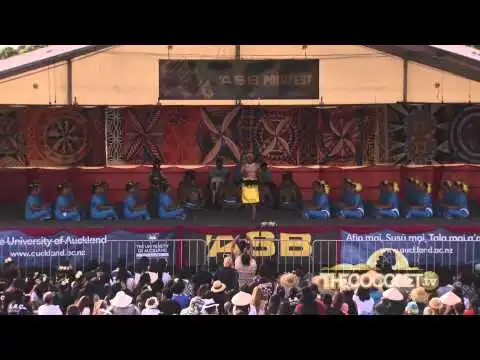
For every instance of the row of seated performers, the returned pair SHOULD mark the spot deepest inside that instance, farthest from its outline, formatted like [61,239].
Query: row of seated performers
[417,203]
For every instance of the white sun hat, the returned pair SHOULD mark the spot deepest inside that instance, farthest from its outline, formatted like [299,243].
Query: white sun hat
[121,300]
[242,299]
[450,299]
[393,294]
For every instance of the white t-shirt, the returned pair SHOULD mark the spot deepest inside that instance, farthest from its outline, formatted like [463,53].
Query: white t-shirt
[49,310]
[364,307]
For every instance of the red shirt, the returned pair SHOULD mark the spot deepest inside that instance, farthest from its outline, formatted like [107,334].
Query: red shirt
[469,312]
[321,308]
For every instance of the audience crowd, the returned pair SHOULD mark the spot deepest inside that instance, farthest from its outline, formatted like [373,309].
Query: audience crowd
[239,287]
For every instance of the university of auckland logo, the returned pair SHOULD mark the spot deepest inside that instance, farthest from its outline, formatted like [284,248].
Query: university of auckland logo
[152,237]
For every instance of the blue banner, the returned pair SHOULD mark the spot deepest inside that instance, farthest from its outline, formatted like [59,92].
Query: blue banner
[66,248]
[439,247]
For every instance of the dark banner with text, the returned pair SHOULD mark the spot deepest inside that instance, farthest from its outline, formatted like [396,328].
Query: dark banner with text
[239,79]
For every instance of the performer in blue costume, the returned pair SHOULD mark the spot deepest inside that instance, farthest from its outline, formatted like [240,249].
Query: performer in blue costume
[388,203]
[351,205]
[99,208]
[446,197]
[65,208]
[166,206]
[422,207]
[132,209]
[321,206]
[35,209]
[459,207]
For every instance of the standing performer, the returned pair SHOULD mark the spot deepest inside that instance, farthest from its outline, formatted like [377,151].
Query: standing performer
[250,183]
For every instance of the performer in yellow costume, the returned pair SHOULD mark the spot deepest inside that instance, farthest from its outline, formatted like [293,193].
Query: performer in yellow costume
[250,183]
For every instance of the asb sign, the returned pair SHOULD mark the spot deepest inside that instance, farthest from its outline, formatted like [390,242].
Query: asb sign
[264,244]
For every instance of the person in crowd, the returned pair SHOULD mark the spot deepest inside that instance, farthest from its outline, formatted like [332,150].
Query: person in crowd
[72,310]
[321,207]
[228,275]
[190,194]
[267,186]
[464,286]
[65,208]
[276,301]
[219,295]
[260,297]
[290,196]
[241,302]
[388,204]
[101,308]
[133,209]
[167,208]
[177,290]
[121,304]
[246,267]
[418,301]
[310,304]
[167,305]
[351,205]
[48,307]
[231,194]
[84,305]
[411,188]
[472,308]
[151,307]
[217,179]
[393,302]
[422,202]
[363,301]
[434,307]
[35,209]
[458,207]
[288,281]
[445,197]
[99,207]
[250,184]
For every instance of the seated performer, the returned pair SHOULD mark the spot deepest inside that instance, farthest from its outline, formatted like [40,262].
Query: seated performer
[422,207]
[99,208]
[445,197]
[321,207]
[388,203]
[153,193]
[250,191]
[231,194]
[351,205]
[65,208]
[289,192]
[34,208]
[166,206]
[157,172]
[266,185]
[216,179]
[189,193]
[458,208]
[132,207]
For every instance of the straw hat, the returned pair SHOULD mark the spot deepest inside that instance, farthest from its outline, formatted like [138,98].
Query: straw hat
[450,299]
[242,299]
[393,294]
[288,280]
[121,300]
[419,295]
[151,303]
[218,287]
[435,303]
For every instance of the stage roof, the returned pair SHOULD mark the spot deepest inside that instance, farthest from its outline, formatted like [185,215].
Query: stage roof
[461,60]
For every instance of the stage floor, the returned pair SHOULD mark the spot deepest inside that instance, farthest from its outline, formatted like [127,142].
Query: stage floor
[232,218]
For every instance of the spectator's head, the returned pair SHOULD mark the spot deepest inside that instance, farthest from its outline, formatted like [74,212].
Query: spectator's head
[121,300]
[178,287]
[245,259]
[100,307]
[327,299]
[218,287]
[73,310]
[281,291]
[151,303]
[227,262]
[48,298]
[419,295]
[167,293]
[83,303]
[337,300]
[363,293]
[288,281]
[241,302]
[203,291]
